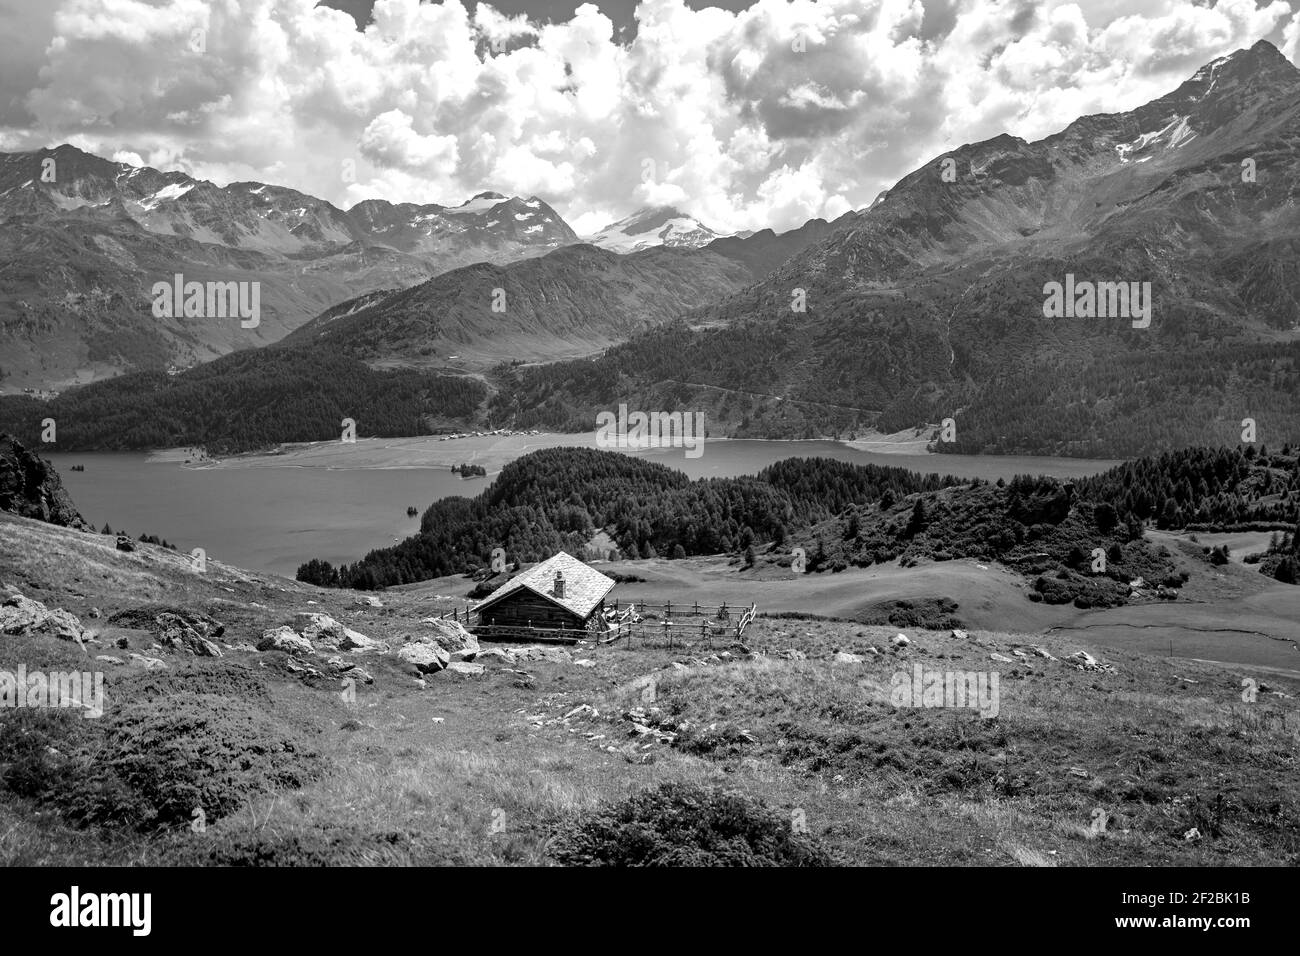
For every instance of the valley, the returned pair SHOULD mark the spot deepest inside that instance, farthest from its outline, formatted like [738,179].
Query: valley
[399,768]
[1032,416]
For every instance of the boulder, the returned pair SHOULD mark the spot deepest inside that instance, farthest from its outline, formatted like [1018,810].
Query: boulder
[901,640]
[21,616]
[188,640]
[180,636]
[467,669]
[452,637]
[542,652]
[285,639]
[124,543]
[110,661]
[843,657]
[301,668]
[368,601]
[1086,662]
[349,669]
[425,656]
[358,643]
[322,630]
[147,662]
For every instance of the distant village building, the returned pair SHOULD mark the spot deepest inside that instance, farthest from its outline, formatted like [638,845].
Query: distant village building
[559,593]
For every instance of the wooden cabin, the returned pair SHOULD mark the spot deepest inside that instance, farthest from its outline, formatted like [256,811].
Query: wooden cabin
[559,593]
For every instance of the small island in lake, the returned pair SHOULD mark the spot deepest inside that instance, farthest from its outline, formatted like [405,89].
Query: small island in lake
[470,471]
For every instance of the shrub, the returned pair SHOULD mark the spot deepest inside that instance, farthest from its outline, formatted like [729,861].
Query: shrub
[33,744]
[685,825]
[198,750]
[931,614]
[717,742]
[221,680]
[150,763]
[324,845]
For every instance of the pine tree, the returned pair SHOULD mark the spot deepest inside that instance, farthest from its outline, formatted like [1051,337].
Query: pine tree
[917,522]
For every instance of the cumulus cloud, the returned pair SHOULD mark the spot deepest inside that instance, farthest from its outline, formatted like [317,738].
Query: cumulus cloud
[768,116]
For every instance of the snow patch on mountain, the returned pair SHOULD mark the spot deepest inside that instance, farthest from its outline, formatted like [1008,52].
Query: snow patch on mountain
[480,203]
[1175,133]
[166,194]
[655,226]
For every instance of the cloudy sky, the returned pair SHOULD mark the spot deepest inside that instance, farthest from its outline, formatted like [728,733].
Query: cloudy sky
[746,114]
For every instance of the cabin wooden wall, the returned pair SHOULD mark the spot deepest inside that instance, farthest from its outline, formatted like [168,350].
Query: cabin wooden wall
[522,607]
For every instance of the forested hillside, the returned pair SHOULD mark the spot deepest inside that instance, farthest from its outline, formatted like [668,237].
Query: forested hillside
[841,514]
[249,400]
[558,498]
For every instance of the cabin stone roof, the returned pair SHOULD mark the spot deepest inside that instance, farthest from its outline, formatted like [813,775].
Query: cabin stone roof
[584,586]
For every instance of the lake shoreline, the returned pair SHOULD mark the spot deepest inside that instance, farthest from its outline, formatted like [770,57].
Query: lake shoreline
[337,501]
[494,452]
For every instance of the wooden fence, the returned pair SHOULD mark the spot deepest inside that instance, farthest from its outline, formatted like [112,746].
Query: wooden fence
[662,625]
[460,616]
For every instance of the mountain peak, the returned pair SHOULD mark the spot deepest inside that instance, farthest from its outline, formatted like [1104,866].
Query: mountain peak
[654,226]
[1265,49]
[1261,59]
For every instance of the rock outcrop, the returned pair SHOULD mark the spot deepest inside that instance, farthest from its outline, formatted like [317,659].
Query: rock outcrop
[176,628]
[22,616]
[30,487]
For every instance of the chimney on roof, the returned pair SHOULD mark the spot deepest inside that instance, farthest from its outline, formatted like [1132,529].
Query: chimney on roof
[559,584]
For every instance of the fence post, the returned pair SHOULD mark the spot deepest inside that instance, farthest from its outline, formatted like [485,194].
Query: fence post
[668,610]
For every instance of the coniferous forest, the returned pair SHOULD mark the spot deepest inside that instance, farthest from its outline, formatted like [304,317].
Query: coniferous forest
[246,401]
[558,499]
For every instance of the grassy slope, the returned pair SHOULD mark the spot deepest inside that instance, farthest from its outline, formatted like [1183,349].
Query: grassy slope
[882,785]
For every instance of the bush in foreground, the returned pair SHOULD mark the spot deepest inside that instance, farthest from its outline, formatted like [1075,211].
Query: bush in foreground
[317,846]
[153,763]
[684,825]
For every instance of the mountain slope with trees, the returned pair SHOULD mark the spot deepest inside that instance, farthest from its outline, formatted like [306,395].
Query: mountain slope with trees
[930,304]
[840,514]
[250,400]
